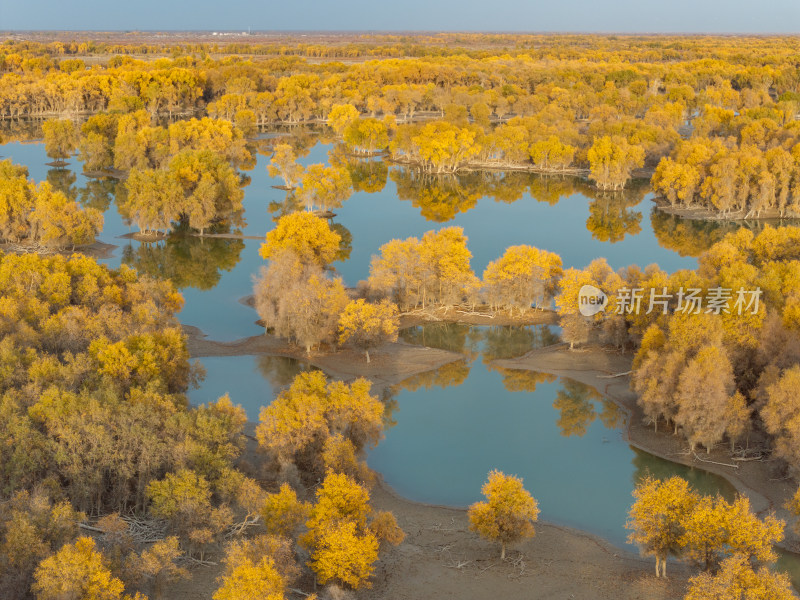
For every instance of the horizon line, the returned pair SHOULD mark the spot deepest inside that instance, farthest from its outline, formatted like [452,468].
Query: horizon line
[410,32]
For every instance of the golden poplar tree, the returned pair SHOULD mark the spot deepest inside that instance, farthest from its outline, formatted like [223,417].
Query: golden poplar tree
[60,139]
[738,580]
[342,546]
[657,518]
[367,325]
[283,163]
[611,160]
[282,512]
[249,579]
[508,514]
[77,571]
[309,237]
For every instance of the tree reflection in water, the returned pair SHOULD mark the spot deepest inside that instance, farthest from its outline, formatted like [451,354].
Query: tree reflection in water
[439,197]
[281,370]
[575,402]
[611,214]
[579,405]
[647,465]
[188,261]
[98,193]
[62,179]
[451,374]
[453,337]
[366,174]
[523,380]
[687,237]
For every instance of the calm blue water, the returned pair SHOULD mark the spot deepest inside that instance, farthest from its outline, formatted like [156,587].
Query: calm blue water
[251,381]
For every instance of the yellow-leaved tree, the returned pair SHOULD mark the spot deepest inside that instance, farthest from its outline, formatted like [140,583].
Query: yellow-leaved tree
[343,553]
[249,579]
[260,567]
[157,565]
[657,518]
[448,277]
[309,237]
[283,164]
[508,514]
[326,187]
[736,579]
[716,529]
[576,327]
[283,513]
[40,214]
[397,272]
[444,147]
[551,153]
[781,413]
[611,160]
[77,571]
[339,455]
[366,324]
[297,423]
[342,546]
[299,300]
[60,139]
[523,276]
[366,135]
[668,517]
[341,116]
[184,499]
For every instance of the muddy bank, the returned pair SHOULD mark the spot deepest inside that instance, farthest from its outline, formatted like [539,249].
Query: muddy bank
[96,249]
[390,363]
[441,558]
[480,315]
[701,213]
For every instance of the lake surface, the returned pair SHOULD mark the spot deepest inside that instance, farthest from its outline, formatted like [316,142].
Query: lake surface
[496,210]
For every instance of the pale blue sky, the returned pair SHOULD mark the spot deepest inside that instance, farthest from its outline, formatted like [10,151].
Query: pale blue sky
[657,16]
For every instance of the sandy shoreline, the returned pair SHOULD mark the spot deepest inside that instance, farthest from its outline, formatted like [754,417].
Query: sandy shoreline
[390,363]
[441,558]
